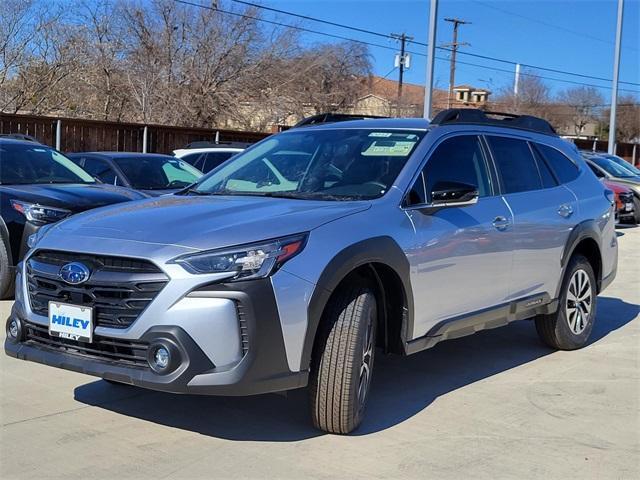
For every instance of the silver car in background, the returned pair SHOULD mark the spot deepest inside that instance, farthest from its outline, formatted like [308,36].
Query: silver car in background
[278,271]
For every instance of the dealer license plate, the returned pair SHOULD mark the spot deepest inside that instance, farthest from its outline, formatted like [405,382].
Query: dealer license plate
[71,321]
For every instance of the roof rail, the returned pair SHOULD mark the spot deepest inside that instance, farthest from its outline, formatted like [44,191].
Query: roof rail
[331,118]
[19,136]
[481,117]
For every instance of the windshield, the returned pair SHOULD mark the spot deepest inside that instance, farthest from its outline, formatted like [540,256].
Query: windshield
[22,163]
[623,163]
[157,173]
[341,164]
[612,168]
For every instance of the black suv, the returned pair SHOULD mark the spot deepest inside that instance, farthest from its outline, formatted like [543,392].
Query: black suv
[39,185]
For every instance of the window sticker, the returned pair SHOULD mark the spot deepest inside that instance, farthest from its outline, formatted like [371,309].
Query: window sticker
[388,148]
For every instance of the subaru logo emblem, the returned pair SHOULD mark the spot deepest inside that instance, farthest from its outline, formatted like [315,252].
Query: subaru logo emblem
[74,273]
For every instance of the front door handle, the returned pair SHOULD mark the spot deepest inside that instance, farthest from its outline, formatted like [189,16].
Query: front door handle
[565,210]
[501,223]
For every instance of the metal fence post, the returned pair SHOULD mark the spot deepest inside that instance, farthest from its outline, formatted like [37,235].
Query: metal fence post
[59,134]
[145,132]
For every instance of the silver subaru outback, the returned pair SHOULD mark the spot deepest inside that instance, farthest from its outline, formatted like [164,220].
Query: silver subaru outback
[292,264]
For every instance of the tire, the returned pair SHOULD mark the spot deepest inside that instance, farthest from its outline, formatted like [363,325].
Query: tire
[636,210]
[342,363]
[570,326]
[6,273]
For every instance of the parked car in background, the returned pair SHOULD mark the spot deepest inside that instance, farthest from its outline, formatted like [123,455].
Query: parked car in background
[383,235]
[614,158]
[151,173]
[206,156]
[39,186]
[605,168]
[625,209]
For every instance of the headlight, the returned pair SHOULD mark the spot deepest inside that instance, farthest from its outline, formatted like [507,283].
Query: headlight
[256,260]
[39,214]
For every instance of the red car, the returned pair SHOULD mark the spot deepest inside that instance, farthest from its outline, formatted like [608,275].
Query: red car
[624,201]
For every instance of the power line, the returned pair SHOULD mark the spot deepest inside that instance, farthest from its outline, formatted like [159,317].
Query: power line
[387,47]
[552,25]
[416,42]
[286,25]
[313,19]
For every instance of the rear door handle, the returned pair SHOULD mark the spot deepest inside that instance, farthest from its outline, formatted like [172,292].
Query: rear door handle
[501,223]
[565,210]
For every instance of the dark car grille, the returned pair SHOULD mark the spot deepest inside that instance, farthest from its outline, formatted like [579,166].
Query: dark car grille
[125,352]
[626,197]
[118,290]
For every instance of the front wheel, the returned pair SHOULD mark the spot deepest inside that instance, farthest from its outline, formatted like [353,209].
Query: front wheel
[343,359]
[6,272]
[570,326]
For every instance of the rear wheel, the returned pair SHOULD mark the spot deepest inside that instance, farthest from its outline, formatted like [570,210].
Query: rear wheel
[570,326]
[6,272]
[343,359]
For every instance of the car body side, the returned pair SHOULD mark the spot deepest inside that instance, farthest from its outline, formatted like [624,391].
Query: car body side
[440,273]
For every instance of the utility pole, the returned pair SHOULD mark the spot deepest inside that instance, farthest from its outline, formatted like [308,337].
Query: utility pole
[454,48]
[431,51]
[516,81]
[614,91]
[402,62]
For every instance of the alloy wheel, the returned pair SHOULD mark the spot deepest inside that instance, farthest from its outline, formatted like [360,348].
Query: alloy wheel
[579,301]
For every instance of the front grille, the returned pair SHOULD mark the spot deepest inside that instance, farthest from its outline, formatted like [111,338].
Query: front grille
[124,352]
[119,289]
[626,197]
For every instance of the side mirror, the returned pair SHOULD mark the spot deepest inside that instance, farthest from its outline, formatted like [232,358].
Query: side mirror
[457,194]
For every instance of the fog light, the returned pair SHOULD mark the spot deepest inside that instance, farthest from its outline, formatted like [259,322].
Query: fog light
[161,357]
[14,330]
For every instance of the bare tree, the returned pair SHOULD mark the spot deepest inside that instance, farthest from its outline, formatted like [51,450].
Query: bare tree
[628,119]
[579,106]
[161,61]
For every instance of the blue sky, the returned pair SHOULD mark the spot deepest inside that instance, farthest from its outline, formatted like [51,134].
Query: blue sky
[569,35]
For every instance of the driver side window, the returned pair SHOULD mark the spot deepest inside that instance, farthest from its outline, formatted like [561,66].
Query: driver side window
[458,159]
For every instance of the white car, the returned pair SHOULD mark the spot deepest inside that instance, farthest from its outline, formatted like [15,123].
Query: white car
[206,159]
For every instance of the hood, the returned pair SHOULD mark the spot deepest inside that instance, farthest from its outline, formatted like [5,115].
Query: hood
[206,222]
[74,197]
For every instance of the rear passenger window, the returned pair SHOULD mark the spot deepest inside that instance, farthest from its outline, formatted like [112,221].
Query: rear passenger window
[563,167]
[548,180]
[457,159]
[515,164]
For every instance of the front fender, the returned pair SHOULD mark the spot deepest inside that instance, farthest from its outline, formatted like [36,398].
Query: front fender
[380,250]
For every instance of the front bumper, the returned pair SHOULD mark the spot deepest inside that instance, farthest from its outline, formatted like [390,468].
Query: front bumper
[261,367]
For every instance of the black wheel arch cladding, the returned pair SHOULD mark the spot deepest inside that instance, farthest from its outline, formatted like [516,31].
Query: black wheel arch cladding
[586,231]
[381,250]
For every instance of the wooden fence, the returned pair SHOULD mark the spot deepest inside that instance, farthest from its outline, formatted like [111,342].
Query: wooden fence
[76,135]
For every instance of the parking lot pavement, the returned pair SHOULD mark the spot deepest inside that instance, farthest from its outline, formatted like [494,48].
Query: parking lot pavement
[494,405]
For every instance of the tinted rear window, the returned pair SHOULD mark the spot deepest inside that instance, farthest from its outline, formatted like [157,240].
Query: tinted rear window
[515,163]
[565,170]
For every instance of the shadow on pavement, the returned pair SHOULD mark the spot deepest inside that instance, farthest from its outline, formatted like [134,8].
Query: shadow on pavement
[402,386]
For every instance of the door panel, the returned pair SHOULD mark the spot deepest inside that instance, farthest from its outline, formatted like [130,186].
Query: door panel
[543,220]
[460,262]
[460,257]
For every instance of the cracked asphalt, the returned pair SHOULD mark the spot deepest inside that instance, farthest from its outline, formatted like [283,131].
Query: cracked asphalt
[494,405]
